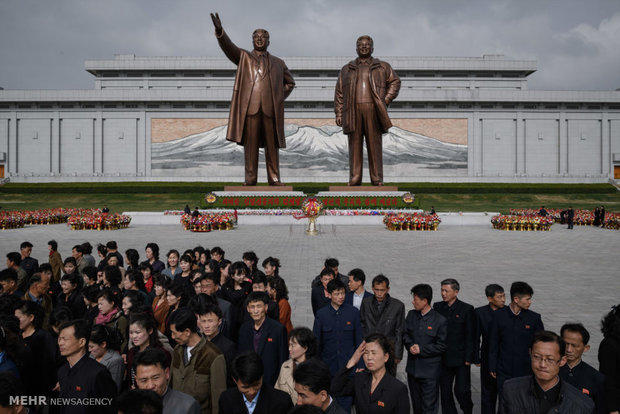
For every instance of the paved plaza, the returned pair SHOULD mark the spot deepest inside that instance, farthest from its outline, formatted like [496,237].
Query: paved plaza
[574,273]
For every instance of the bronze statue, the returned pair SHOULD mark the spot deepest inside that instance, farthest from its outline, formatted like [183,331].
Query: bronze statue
[256,117]
[366,86]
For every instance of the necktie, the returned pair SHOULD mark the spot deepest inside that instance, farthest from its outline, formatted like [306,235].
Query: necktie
[262,66]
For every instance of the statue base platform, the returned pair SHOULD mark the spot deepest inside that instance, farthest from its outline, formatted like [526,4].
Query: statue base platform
[362,188]
[258,188]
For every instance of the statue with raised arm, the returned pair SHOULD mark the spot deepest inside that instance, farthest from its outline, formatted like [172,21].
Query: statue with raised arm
[366,86]
[256,117]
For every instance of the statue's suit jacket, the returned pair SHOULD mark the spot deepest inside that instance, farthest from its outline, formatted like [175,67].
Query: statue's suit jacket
[282,85]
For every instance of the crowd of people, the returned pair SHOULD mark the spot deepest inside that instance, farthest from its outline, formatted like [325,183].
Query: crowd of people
[202,334]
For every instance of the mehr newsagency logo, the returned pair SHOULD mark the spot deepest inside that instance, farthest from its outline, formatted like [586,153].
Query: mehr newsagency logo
[42,400]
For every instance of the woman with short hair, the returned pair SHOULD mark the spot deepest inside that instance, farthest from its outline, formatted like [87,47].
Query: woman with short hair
[301,347]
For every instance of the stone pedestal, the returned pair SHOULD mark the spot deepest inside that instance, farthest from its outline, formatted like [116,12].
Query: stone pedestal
[362,188]
[258,188]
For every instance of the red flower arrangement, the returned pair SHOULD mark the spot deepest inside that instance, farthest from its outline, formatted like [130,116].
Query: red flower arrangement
[209,221]
[411,221]
[96,220]
[612,221]
[77,218]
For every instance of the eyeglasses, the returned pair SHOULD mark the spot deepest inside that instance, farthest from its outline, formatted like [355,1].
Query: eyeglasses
[538,359]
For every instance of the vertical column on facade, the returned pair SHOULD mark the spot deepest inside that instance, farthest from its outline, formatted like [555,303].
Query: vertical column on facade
[148,142]
[55,141]
[477,144]
[519,144]
[472,143]
[142,146]
[12,144]
[605,145]
[98,144]
[563,143]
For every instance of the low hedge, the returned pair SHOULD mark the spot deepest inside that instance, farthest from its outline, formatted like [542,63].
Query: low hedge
[307,188]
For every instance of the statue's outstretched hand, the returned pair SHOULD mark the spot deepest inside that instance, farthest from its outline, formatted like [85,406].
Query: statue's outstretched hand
[217,23]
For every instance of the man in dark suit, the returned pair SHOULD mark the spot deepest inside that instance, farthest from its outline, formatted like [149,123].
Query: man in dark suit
[484,314]
[510,336]
[356,293]
[578,373]
[456,363]
[251,394]
[256,119]
[425,339]
[338,333]
[264,336]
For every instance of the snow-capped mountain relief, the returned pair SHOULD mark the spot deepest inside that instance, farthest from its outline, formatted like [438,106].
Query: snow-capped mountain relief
[310,151]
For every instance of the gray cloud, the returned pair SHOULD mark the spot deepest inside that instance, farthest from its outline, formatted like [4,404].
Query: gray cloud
[575,43]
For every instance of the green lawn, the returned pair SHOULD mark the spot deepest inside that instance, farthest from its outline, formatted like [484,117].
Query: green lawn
[173,196]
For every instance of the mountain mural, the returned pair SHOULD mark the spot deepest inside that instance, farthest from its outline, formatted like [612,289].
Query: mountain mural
[311,151]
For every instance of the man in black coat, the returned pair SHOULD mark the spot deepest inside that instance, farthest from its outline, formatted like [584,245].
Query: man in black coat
[510,336]
[425,339]
[265,336]
[484,314]
[82,377]
[570,215]
[545,391]
[381,313]
[578,373]
[29,264]
[251,394]
[456,363]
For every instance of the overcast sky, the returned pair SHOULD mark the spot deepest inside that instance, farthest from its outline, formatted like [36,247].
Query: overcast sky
[44,43]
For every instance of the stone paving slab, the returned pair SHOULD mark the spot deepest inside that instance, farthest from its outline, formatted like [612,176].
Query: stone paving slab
[574,273]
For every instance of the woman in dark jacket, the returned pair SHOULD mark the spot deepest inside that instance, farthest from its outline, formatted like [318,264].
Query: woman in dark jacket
[374,390]
[41,343]
[70,296]
[609,358]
